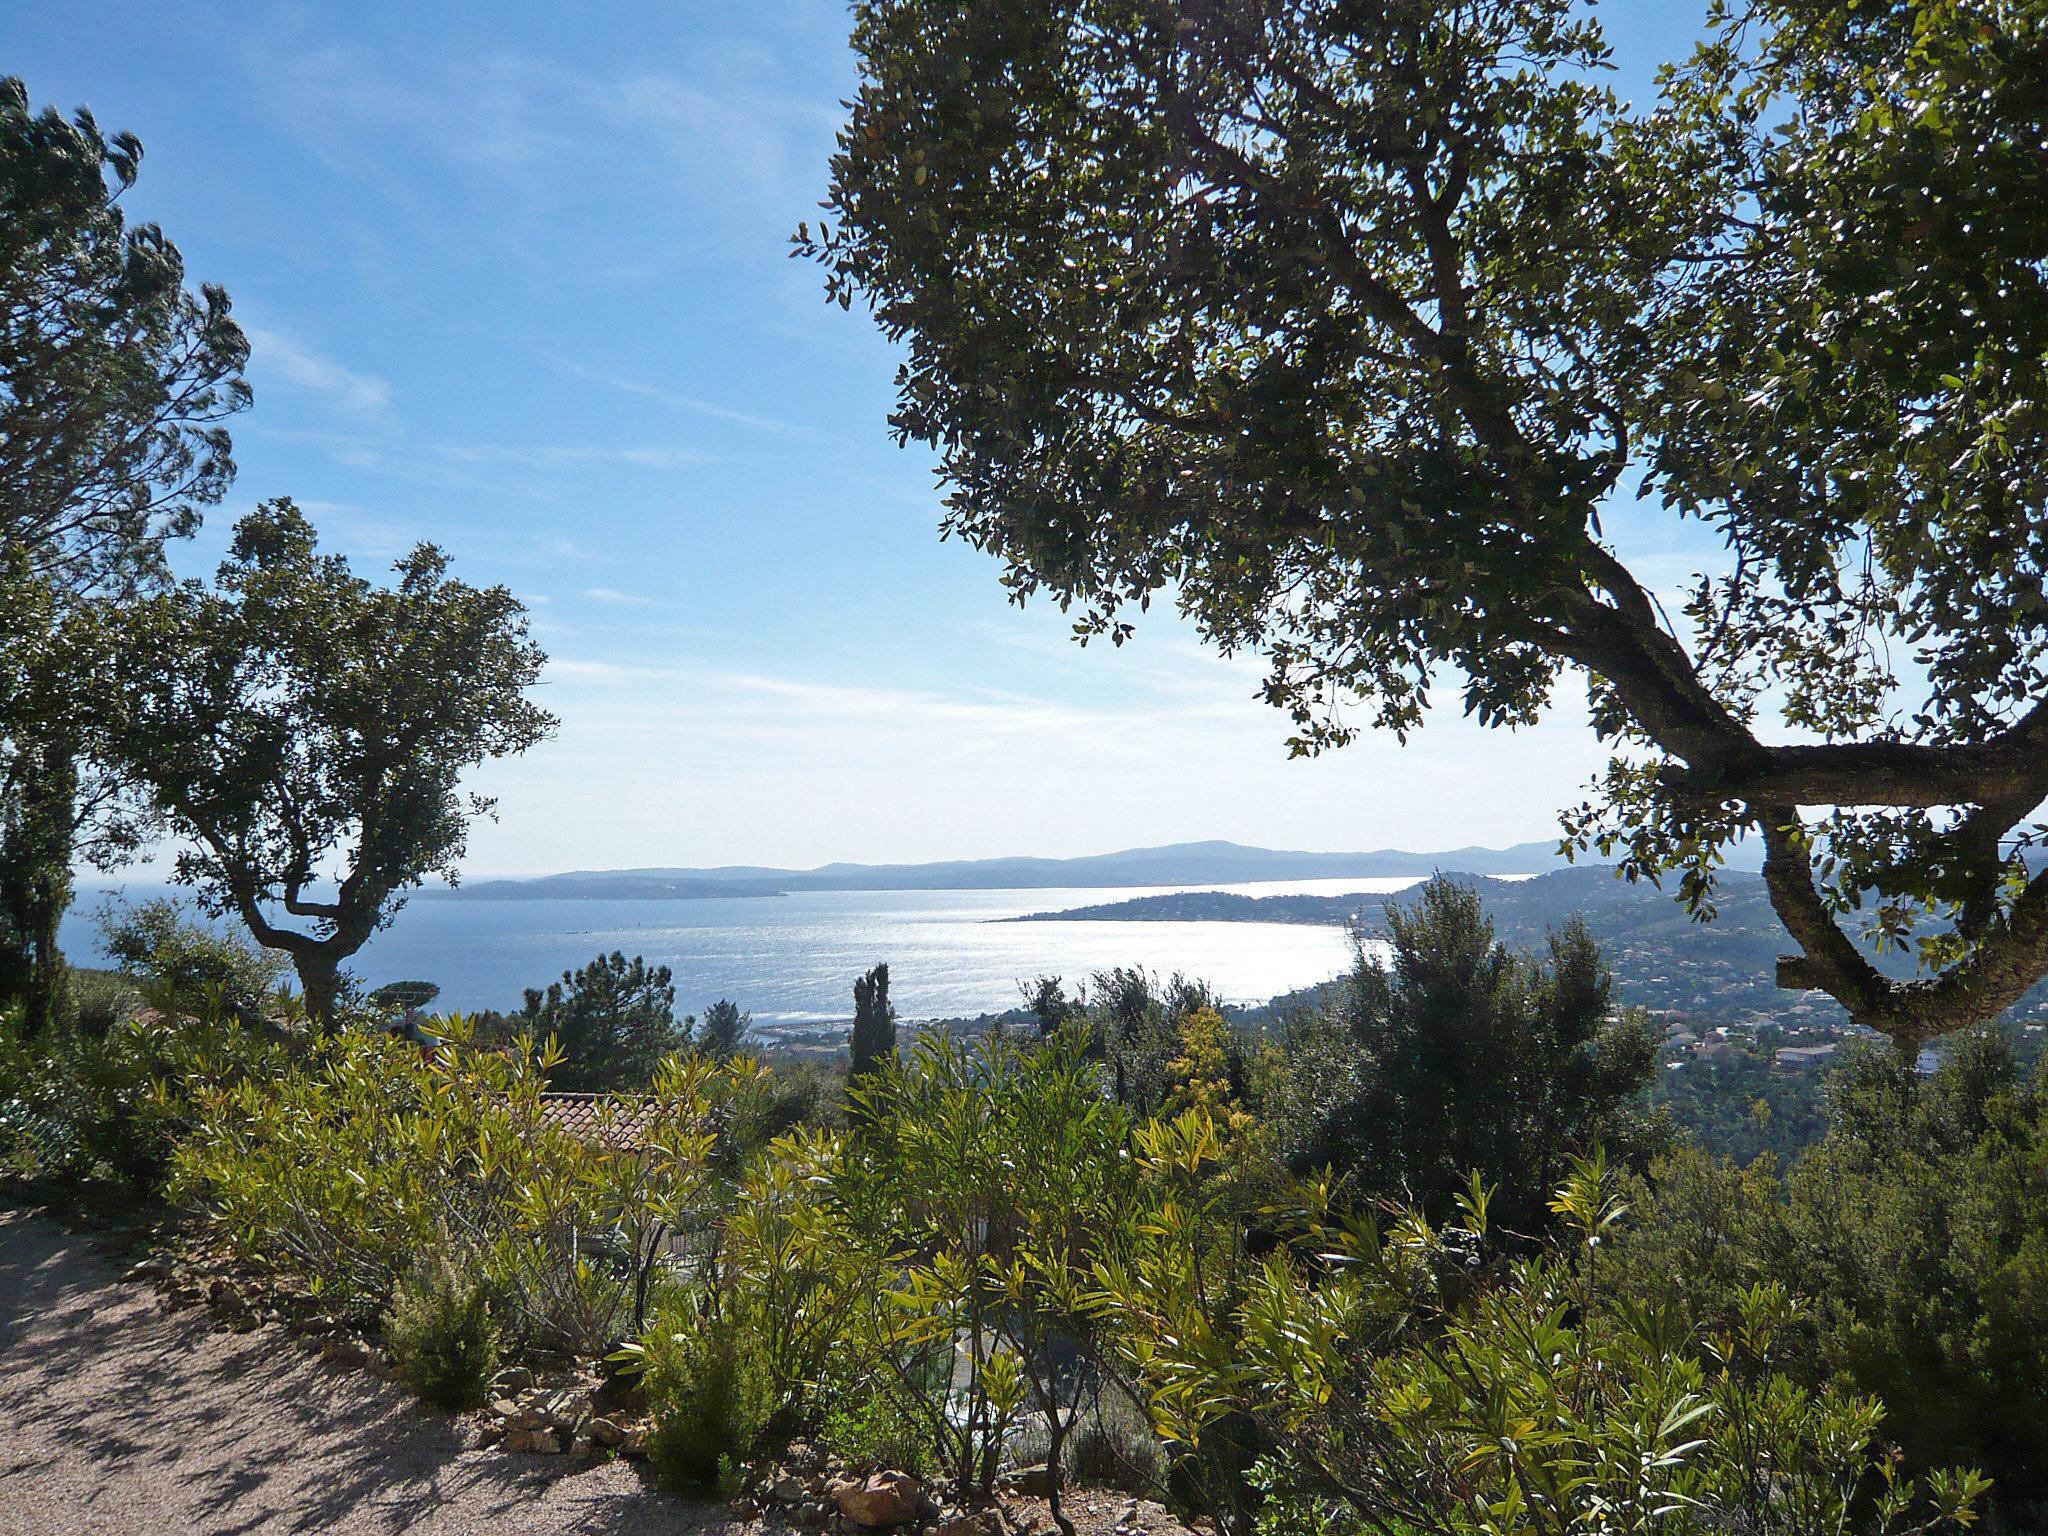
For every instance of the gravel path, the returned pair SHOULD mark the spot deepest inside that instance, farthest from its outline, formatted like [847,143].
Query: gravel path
[123,1416]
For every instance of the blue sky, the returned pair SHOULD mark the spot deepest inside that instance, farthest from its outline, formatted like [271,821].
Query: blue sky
[517,281]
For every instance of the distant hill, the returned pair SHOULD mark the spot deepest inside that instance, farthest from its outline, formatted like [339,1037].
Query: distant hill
[1721,970]
[1205,863]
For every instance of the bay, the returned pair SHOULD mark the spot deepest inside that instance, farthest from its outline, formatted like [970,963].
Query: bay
[791,960]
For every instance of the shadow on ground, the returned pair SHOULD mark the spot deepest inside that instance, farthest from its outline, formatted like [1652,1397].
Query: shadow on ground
[128,1417]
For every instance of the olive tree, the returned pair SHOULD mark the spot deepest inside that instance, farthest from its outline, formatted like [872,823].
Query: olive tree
[1353,328]
[115,380]
[304,731]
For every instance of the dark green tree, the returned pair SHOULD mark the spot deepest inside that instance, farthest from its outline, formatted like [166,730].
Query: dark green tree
[614,1018]
[1348,325]
[1916,1230]
[874,1022]
[114,383]
[1460,1056]
[1045,998]
[724,1029]
[298,725]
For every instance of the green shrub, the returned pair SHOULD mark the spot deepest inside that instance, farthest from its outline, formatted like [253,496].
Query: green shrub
[76,1108]
[184,965]
[709,1390]
[101,1001]
[443,1336]
[870,1431]
[1404,1377]
[353,1163]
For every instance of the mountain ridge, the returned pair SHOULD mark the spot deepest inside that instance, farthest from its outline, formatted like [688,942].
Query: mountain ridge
[1211,861]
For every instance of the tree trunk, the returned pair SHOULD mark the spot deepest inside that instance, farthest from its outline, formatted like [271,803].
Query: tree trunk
[35,882]
[320,981]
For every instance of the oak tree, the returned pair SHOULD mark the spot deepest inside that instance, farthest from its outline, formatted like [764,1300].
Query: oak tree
[305,732]
[1353,328]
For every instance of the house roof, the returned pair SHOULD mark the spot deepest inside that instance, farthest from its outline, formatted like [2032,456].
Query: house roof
[578,1114]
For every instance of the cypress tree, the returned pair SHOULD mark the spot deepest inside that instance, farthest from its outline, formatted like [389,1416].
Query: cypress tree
[874,1022]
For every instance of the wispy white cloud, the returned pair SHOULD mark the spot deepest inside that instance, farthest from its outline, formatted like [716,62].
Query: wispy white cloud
[542,456]
[691,403]
[297,363]
[615,597]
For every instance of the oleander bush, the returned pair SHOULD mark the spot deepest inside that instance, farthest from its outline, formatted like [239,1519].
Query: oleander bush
[1403,1375]
[443,1337]
[78,1107]
[373,1151]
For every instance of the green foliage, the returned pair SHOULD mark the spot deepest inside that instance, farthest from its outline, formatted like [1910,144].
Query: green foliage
[1914,1229]
[296,723]
[871,1432]
[80,1107]
[185,965]
[114,384]
[724,1030]
[348,1167]
[709,1389]
[101,1000]
[983,1184]
[114,379]
[443,1336]
[1406,1377]
[1344,324]
[1739,1104]
[405,997]
[614,1020]
[1137,1026]
[874,1023]
[1462,1056]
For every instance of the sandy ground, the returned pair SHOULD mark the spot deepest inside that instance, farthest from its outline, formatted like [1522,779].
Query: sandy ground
[119,1416]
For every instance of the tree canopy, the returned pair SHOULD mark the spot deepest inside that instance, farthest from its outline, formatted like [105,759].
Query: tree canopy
[297,725]
[1346,327]
[114,377]
[873,1041]
[115,381]
[614,1019]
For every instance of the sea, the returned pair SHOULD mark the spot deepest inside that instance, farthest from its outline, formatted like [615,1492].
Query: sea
[791,960]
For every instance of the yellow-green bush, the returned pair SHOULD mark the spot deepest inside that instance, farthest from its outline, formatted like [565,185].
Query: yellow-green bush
[348,1167]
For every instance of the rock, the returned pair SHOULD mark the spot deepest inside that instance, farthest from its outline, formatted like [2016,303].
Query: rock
[543,1442]
[979,1522]
[607,1432]
[1028,1482]
[582,1447]
[504,1408]
[635,1443]
[787,1490]
[514,1381]
[345,1352]
[615,1394]
[489,1433]
[885,1499]
[811,1516]
[560,1407]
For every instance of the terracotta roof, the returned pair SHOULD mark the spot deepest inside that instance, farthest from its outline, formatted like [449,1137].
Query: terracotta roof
[577,1113]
